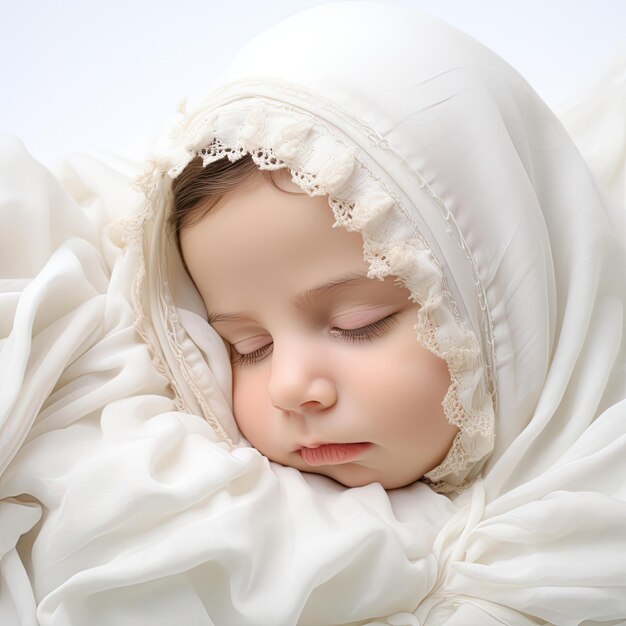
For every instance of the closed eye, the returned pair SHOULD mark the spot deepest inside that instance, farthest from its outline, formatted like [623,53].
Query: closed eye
[363,334]
[366,333]
[250,357]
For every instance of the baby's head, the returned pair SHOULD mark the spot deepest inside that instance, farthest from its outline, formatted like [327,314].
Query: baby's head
[328,376]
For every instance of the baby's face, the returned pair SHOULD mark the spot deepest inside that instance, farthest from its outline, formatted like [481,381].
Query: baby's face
[328,376]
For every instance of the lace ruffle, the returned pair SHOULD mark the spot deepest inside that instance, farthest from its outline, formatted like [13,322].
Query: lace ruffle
[279,136]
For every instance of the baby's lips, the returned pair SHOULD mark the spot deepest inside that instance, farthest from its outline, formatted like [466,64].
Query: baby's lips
[332,453]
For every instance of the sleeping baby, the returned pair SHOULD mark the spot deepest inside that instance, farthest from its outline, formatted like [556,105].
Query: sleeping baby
[356,357]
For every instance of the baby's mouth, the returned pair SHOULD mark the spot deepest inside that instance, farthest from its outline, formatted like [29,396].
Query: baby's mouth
[332,453]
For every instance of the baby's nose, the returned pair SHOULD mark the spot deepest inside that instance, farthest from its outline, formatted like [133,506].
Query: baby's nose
[300,382]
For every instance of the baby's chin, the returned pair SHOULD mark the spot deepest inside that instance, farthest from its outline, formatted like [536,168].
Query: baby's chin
[353,475]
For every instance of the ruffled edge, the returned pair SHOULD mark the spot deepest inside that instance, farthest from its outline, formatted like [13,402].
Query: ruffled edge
[279,136]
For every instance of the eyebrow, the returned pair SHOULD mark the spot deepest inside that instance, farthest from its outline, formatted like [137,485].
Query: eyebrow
[304,299]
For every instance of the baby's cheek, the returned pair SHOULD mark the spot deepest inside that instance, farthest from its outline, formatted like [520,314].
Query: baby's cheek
[413,384]
[250,404]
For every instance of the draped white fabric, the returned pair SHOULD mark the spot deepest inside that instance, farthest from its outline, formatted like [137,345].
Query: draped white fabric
[128,495]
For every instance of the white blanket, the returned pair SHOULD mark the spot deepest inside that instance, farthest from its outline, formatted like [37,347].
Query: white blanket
[118,509]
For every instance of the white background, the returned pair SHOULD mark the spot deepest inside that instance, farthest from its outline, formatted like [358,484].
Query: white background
[104,77]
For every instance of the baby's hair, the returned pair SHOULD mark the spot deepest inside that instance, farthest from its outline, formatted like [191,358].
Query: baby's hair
[197,189]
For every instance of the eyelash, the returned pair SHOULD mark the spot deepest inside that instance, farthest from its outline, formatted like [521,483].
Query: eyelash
[354,335]
[252,357]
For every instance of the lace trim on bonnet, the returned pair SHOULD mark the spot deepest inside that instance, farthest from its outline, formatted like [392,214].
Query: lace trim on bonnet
[322,165]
